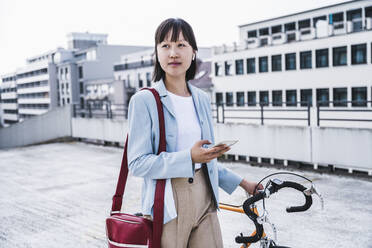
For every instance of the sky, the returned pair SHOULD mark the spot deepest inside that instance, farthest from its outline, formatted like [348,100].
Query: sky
[29,28]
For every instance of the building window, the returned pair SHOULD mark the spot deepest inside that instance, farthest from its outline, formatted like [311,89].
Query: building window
[81,72]
[218,69]
[219,98]
[276,29]
[305,60]
[68,100]
[239,67]
[251,98]
[322,58]
[304,24]
[264,98]
[290,61]
[228,68]
[251,65]
[290,26]
[339,56]
[359,96]
[252,34]
[291,98]
[359,54]
[277,98]
[82,102]
[306,97]
[340,97]
[276,62]
[229,99]
[337,19]
[264,31]
[148,79]
[63,101]
[263,67]
[355,16]
[240,98]
[322,97]
[81,84]
[140,81]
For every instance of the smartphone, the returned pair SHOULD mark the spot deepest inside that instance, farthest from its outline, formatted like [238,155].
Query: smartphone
[226,142]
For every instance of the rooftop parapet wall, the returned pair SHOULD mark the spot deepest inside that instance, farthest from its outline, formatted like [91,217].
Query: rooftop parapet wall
[342,147]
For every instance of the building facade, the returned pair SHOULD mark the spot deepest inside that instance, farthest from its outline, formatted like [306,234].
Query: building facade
[60,77]
[9,105]
[321,56]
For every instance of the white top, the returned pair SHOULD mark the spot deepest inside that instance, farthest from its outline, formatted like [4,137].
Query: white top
[189,131]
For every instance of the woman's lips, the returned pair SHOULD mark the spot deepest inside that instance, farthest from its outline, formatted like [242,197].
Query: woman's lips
[174,64]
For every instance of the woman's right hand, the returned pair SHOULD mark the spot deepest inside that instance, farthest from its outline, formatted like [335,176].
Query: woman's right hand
[199,154]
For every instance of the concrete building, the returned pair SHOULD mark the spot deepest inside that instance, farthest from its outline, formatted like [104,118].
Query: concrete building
[89,62]
[134,71]
[60,77]
[317,56]
[8,96]
[37,85]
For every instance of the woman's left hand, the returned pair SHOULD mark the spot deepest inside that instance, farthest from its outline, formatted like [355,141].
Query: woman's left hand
[250,186]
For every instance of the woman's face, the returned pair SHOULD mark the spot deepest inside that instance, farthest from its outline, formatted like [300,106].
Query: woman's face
[175,57]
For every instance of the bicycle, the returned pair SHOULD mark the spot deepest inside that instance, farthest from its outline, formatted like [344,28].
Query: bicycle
[249,207]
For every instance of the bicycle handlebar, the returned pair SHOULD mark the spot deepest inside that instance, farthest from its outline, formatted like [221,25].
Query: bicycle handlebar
[272,188]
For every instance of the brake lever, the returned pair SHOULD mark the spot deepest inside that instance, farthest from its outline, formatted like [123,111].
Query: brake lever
[313,190]
[265,219]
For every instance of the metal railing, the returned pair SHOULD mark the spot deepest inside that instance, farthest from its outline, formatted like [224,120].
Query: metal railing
[105,110]
[221,108]
[233,111]
[356,106]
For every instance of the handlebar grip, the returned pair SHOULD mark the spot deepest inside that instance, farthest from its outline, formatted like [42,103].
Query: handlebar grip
[253,216]
[299,187]
[253,199]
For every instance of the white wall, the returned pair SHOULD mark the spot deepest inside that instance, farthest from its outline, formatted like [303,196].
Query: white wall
[51,125]
[342,147]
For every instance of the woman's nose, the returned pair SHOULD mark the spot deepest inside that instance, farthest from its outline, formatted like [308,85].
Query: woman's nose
[173,53]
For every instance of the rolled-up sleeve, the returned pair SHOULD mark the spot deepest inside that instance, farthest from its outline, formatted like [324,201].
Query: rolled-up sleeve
[142,161]
[227,179]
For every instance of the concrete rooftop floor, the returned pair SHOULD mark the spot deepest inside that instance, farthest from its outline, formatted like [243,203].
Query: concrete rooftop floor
[58,195]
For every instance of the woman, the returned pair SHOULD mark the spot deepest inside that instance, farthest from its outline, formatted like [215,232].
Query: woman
[189,166]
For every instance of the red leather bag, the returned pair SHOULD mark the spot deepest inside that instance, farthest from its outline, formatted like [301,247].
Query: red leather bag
[127,230]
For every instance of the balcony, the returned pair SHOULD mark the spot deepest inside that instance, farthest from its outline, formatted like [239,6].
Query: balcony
[33,90]
[252,43]
[278,38]
[10,117]
[30,111]
[33,100]
[9,95]
[307,33]
[31,79]
[12,106]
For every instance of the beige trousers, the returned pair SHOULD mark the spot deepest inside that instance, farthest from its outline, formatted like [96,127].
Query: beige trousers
[197,223]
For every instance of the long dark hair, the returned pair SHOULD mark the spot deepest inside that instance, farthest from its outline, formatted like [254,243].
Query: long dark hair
[176,25]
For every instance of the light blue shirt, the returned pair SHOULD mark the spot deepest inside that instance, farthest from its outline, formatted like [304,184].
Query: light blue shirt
[143,145]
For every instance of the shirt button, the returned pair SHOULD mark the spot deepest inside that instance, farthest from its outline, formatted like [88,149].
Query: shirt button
[191,180]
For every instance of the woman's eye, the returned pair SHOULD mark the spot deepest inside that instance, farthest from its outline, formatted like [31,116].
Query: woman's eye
[165,45]
[181,45]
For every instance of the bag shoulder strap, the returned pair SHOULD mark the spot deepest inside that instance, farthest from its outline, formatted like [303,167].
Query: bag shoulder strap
[160,184]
